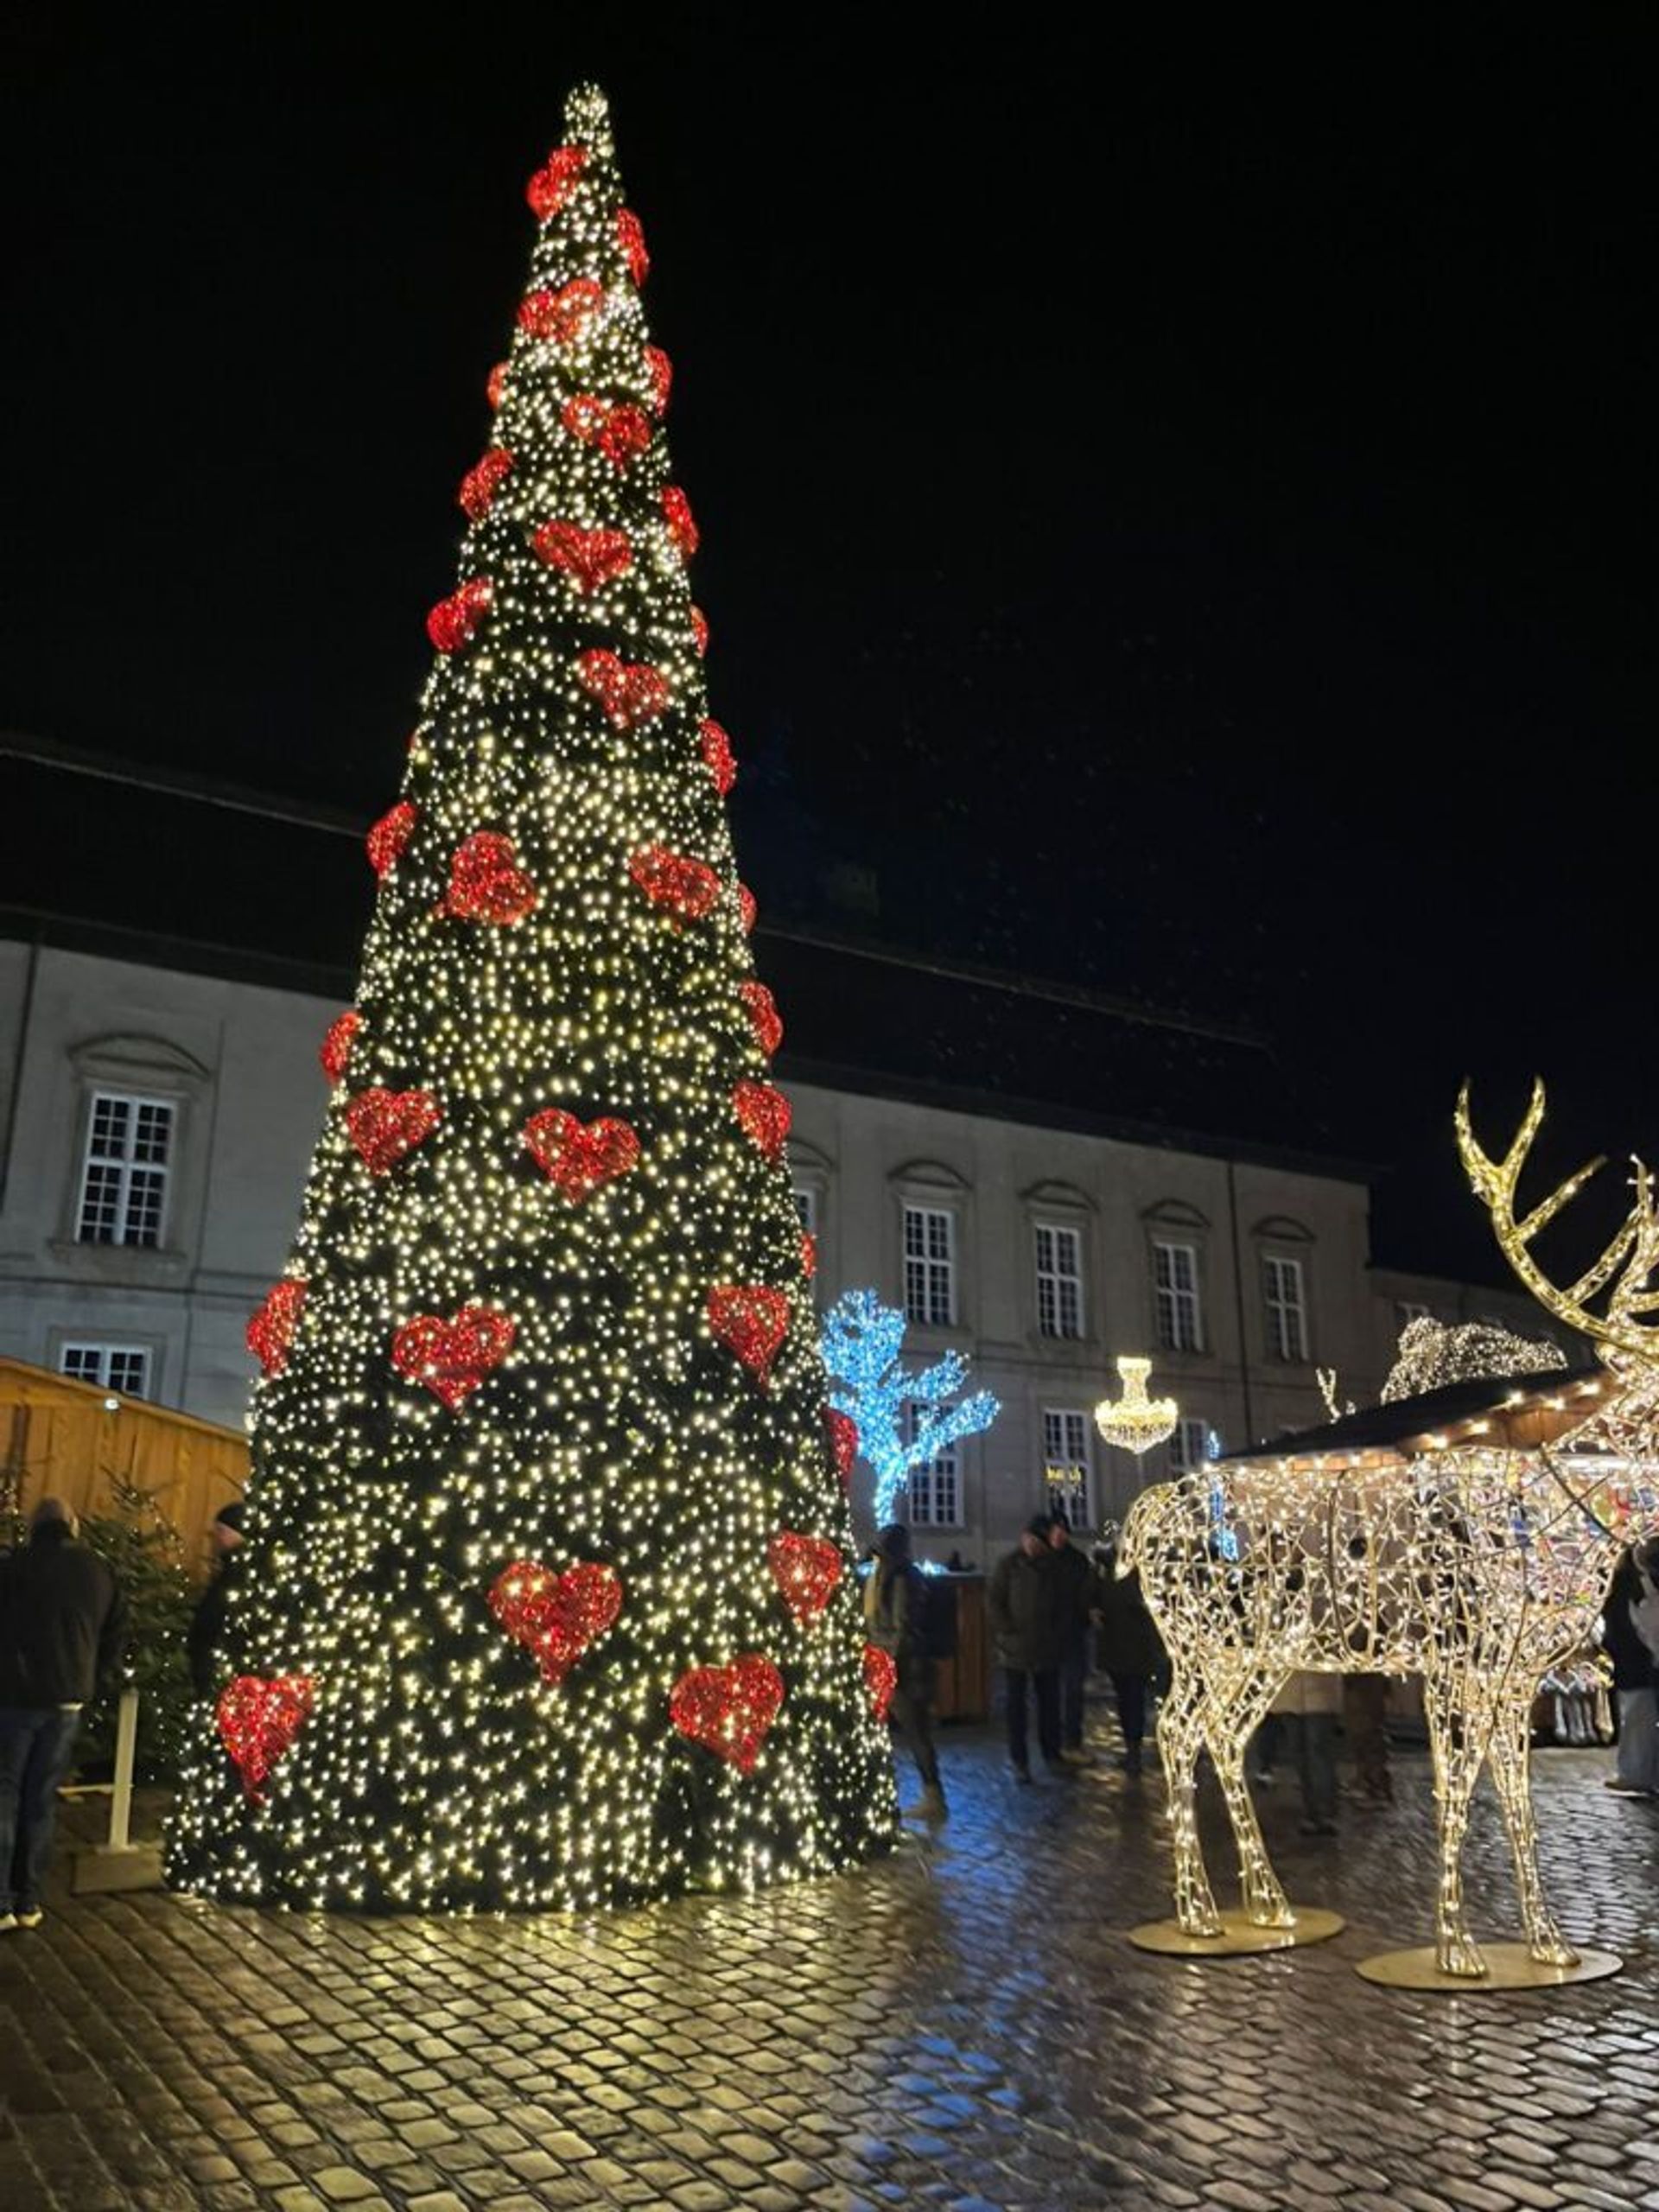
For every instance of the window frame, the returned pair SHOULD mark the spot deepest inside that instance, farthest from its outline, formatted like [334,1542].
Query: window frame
[108,1349]
[1080,1465]
[943,1466]
[130,1168]
[1160,1243]
[1277,1310]
[1175,1450]
[1072,1232]
[931,1263]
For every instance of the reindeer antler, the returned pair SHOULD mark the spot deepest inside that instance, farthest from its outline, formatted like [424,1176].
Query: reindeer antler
[1633,1256]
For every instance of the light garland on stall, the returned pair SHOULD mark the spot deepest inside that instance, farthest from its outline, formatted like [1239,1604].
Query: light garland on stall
[544,1595]
[1477,1555]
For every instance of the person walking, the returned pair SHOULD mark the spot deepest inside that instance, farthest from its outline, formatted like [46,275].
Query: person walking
[206,1630]
[1636,1679]
[894,1605]
[62,1629]
[1074,1592]
[1019,1600]
[1127,1648]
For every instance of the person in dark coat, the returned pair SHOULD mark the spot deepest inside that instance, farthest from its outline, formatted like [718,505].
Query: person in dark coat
[206,1630]
[1636,1684]
[62,1630]
[1129,1649]
[1074,1590]
[893,1599]
[1019,1600]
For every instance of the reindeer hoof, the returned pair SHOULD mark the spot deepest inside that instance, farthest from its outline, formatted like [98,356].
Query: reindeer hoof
[1553,1951]
[1272,1912]
[1200,1923]
[1460,1954]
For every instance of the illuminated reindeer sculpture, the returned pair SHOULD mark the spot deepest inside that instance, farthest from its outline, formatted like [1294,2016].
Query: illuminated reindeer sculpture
[1475,1552]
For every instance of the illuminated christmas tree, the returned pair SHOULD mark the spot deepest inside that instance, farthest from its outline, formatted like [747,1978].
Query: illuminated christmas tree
[546,1596]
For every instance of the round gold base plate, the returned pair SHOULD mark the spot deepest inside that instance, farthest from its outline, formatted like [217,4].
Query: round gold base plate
[1509,1965]
[1239,1936]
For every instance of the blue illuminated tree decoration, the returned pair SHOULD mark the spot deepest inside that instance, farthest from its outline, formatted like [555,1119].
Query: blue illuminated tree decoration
[862,1342]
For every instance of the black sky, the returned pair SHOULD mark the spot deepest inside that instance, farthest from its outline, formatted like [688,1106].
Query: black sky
[1179,513]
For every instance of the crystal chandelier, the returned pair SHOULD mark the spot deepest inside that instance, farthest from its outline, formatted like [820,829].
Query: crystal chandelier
[1135,1422]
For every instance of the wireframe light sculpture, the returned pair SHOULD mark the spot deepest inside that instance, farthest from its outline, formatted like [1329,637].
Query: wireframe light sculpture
[1473,1550]
[1135,1422]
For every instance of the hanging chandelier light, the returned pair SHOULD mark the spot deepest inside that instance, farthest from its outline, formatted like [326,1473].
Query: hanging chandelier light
[1135,1422]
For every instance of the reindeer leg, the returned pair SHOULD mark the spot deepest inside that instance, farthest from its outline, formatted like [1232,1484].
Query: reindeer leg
[1512,1777]
[1179,1739]
[1457,1759]
[1228,1735]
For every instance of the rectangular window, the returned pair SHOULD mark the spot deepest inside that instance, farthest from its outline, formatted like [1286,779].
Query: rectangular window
[935,1499]
[124,1182]
[1175,1277]
[1059,1280]
[1287,1313]
[1189,1447]
[806,1205]
[929,1267]
[1066,1465]
[111,1367]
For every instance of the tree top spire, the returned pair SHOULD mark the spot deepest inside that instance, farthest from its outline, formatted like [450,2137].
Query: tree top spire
[588,118]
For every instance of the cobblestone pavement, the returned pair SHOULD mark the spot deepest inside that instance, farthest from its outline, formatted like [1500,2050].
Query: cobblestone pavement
[962,2027]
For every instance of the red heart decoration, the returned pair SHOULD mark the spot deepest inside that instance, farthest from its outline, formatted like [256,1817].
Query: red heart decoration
[556,1617]
[580,1158]
[765,1114]
[677,514]
[483,481]
[562,315]
[631,692]
[751,1319]
[496,383]
[660,370]
[258,1718]
[335,1050]
[729,1710]
[880,1678]
[717,755]
[589,557]
[809,1254]
[843,1442]
[700,630]
[455,621]
[686,887]
[271,1331]
[764,1017]
[746,908]
[452,1358]
[621,432]
[555,181]
[486,882]
[806,1570]
[386,1125]
[385,841]
[630,237]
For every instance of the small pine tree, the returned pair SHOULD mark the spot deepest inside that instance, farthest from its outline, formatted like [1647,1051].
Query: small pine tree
[146,1554]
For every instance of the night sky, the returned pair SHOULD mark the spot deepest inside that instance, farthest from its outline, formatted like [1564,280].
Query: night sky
[1176,518]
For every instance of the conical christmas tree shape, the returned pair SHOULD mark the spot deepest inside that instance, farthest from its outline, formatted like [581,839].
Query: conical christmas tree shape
[546,1596]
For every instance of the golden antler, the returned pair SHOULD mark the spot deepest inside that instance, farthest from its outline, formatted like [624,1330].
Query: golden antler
[1635,1249]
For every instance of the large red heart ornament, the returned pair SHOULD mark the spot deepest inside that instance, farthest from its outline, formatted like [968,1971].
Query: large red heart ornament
[806,1570]
[764,1017]
[843,1442]
[456,621]
[717,755]
[747,907]
[630,237]
[682,523]
[589,557]
[751,1319]
[765,1114]
[880,1678]
[686,888]
[271,1331]
[579,1157]
[556,1617]
[385,841]
[335,1050]
[258,1718]
[631,692]
[452,1358]
[729,1710]
[660,370]
[562,315]
[617,429]
[386,1126]
[555,181]
[483,481]
[486,882]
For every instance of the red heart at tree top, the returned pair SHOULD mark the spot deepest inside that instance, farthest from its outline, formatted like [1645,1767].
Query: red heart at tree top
[452,1358]
[387,1125]
[555,181]
[271,1331]
[589,557]
[806,1570]
[751,1320]
[729,1710]
[335,1050]
[631,692]
[686,887]
[258,1718]
[843,1442]
[483,481]
[880,1678]
[681,527]
[764,1017]
[456,621]
[556,1617]
[562,315]
[660,370]
[579,1158]
[486,882]
[717,755]
[765,1114]
[630,237]
[385,841]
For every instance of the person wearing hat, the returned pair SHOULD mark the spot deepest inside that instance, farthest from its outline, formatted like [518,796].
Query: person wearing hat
[63,1624]
[894,1598]
[1020,1599]
[206,1629]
